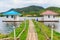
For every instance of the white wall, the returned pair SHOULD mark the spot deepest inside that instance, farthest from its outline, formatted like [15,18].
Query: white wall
[29,18]
[51,18]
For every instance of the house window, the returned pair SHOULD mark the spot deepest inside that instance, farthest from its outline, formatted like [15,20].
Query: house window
[7,16]
[12,16]
[48,16]
[53,16]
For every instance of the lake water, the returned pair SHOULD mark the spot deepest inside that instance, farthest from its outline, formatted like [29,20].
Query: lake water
[6,28]
[56,24]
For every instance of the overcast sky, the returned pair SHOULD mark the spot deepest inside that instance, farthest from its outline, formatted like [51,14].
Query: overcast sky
[8,4]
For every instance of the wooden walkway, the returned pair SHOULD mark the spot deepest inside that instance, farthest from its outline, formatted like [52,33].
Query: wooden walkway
[32,35]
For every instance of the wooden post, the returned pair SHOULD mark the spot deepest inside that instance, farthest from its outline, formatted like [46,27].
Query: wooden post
[52,32]
[25,25]
[14,29]
[14,33]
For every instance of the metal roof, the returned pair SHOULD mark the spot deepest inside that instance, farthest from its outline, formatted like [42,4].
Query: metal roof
[12,12]
[48,12]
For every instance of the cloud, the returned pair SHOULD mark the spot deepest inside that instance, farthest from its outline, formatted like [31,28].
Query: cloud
[55,2]
[30,1]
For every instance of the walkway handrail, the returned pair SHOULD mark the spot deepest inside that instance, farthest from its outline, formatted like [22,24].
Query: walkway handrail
[22,31]
[44,33]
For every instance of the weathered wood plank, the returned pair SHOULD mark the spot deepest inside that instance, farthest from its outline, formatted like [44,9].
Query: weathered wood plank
[12,21]
[50,21]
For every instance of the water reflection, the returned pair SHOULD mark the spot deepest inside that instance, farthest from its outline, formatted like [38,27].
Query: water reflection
[55,24]
[7,27]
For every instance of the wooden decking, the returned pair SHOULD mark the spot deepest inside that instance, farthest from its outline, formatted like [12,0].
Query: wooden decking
[12,21]
[32,35]
[39,21]
[49,21]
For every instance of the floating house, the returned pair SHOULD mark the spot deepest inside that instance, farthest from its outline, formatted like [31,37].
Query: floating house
[49,16]
[12,14]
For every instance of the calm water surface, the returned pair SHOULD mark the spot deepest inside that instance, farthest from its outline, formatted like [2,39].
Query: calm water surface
[6,28]
[56,24]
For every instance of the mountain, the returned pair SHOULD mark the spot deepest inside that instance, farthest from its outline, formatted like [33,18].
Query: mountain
[35,10]
[55,9]
[29,9]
